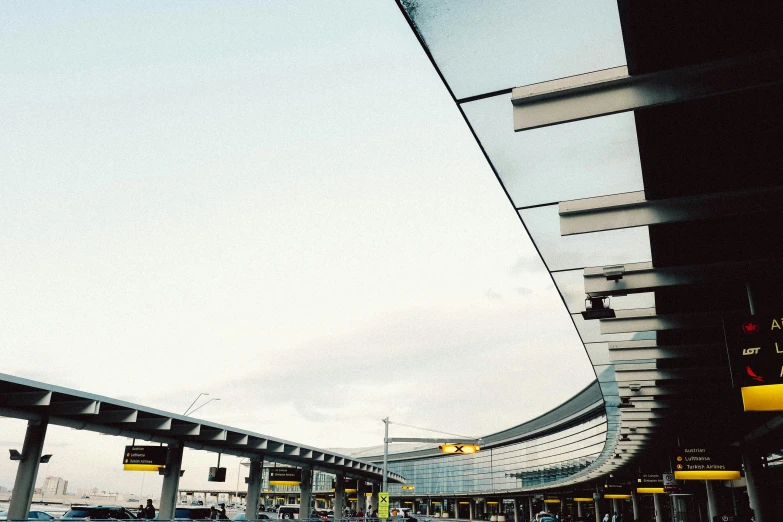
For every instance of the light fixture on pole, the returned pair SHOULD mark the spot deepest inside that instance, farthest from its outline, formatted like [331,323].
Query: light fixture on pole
[210,400]
[194,402]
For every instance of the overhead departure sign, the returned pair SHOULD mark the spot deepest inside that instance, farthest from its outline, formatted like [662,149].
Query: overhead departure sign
[408,487]
[706,462]
[144,458]
[383,504]
[462,449]
[755,346]
[649,483]
[285,476]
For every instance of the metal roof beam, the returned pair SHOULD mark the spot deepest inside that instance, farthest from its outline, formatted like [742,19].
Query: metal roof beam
[78,407]
[648,349]
[112,416]
[646,320]
[31,398]
[643,277]
[610,91]
[632,209]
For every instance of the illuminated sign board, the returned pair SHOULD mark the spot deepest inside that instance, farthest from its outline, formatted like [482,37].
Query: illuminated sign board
[706,462]
[408,487]
[144,458]
[285,476]
[649,483]
[383,504]
[216,474]
[755,346]
[462,449]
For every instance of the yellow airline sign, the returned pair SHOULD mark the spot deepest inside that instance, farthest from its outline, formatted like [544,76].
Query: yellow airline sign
[462,449]
[408,487]
[383,504]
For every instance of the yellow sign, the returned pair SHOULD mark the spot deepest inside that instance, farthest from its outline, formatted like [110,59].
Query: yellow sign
[583,499]
[707,475]
[408,487]
[383,504]
[616,496]
[462,449]
[650,490]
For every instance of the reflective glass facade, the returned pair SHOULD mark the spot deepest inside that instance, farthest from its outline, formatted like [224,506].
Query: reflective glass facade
[519,465]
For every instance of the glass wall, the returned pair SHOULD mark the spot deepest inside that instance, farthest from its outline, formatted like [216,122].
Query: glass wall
[530,463]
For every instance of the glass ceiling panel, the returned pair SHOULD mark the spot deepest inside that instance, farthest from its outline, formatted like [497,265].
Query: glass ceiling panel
[483,46]
[630,245]
[575,160]
[571,285]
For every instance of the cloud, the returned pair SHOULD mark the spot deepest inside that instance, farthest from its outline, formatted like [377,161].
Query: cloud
[523,290]
[491,294]
[525,265]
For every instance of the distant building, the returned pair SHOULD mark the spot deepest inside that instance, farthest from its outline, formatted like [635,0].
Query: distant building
[55,486]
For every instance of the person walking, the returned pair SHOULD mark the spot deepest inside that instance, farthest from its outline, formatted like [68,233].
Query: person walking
[222,515]
[606,517]
[149,510]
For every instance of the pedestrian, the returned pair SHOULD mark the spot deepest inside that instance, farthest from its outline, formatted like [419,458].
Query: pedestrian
[149,511]
[223,515]
[369,511]
[606,518]
[614,517]
[213,513]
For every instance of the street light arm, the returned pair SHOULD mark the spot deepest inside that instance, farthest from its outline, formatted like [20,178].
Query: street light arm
[194,402]
[210,400]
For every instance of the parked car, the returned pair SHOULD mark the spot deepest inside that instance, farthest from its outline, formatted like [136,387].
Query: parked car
[98,513]
[241,516]
[34,515]
[289,511]
[192,513]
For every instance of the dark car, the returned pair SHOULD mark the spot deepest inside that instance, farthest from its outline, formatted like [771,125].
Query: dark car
[99,513]
[34,515]
[192,513]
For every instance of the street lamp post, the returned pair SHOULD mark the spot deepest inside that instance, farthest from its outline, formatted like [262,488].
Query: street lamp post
[194,402]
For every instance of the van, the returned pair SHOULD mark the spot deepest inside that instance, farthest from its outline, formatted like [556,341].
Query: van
[288,511]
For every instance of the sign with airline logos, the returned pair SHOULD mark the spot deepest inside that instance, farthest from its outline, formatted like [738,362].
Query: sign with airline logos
[755,346]
[706,461]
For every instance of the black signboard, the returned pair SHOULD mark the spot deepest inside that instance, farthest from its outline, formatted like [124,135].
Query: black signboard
[144,458]
[216,474]
[755,345]
[285,476]
[649,480]
[695,457]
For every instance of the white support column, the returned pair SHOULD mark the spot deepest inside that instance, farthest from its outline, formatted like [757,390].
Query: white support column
[635,503]
[597,510]
[530,507]
[305,493]
[168,494]
[658,508]
[579,509]
[712,500]
[753,476]
[27,472]
[253,480]
[427,503]
[470,508]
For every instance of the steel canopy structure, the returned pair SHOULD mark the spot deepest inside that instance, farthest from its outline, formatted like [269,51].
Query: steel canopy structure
[30,400]
[640,145]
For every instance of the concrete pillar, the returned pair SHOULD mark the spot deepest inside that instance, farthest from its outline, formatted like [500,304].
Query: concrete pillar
[470,508]
[753,476]
[712,500]
[530,507]
[428,507]
[376,488]
[597,510]
[27,472]
[361,499]
[658,509]
[516,510]
[615,507]
[635,504]
[168,493]
[339,495]
[305,493]
[253,480]
[579,509]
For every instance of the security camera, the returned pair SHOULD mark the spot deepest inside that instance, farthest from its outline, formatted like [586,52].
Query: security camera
[614,272]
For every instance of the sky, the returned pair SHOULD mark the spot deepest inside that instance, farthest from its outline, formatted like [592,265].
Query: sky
[276,203]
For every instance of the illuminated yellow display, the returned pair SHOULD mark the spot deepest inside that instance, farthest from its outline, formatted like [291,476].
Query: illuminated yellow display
[408,487]
[551,501]
[462,449]
[650,490]
[707,475]
[464,503]
[283,482]
[583,499]
[763,398]
[617,497]
[141,467]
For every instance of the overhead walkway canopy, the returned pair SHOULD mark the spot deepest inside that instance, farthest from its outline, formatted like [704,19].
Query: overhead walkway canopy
[26,399]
